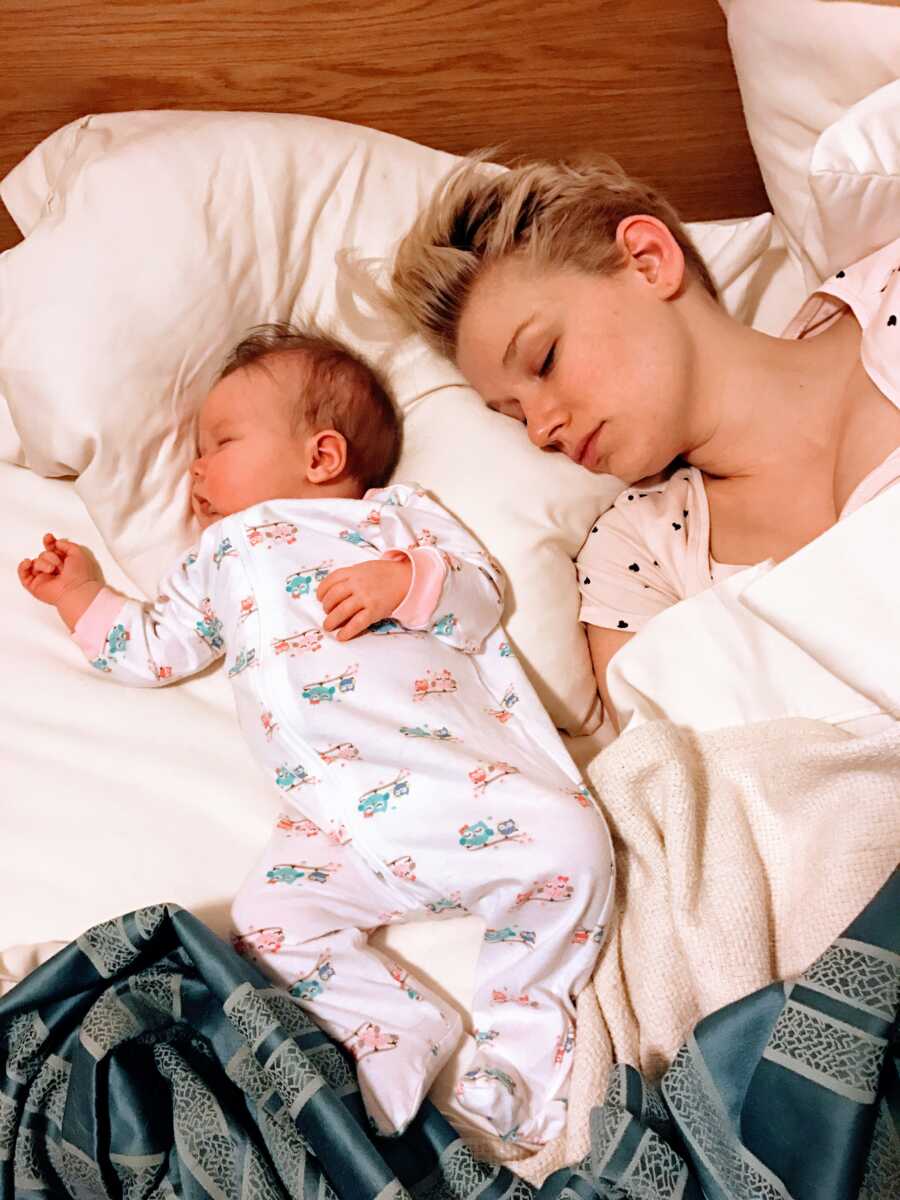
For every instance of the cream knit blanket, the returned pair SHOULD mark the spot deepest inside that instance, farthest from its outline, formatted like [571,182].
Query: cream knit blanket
[742,854]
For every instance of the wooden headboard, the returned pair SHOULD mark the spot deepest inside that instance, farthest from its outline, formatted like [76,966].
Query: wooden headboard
[649,81]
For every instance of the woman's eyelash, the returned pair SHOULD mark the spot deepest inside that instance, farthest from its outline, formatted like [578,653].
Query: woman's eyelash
[547,364]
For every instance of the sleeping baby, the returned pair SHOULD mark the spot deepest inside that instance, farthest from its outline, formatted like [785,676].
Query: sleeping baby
[418,772]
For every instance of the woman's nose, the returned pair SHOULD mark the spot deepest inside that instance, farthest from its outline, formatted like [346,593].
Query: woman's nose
[544,429]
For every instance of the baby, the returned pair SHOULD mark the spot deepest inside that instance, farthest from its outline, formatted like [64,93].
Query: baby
[418,771]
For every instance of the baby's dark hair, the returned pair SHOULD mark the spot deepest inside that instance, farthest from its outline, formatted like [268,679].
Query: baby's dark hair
[335,390]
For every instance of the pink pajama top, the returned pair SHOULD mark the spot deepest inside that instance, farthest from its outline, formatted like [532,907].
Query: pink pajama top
[651,549]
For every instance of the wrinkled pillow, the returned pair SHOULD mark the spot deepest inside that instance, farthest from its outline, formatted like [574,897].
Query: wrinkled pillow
[800,66]
[854,177]
[155,239]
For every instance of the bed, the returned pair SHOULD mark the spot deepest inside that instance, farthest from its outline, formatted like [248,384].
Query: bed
[146,59]
[115,803]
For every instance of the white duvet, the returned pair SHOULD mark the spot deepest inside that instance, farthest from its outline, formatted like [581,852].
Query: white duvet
[815,636]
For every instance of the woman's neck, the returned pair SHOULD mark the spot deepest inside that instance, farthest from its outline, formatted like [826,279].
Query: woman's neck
[765,402]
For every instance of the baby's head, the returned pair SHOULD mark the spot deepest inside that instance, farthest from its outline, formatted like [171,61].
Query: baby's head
[292,415]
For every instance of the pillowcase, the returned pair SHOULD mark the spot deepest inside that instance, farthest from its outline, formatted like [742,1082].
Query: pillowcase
[155,239]
[854,178]
[800,66]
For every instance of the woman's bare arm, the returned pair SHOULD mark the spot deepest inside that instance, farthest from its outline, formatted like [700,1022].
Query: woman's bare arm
[604,643]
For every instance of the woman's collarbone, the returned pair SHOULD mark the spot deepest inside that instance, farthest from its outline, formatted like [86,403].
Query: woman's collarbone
[756,518]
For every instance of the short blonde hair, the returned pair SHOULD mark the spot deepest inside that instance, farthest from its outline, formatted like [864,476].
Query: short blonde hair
[338,390]
[556,214]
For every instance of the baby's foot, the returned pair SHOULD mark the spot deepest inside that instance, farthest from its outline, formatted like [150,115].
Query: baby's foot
[395,1071]
[497,1094]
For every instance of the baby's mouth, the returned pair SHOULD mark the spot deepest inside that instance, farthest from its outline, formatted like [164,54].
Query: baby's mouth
[204,506]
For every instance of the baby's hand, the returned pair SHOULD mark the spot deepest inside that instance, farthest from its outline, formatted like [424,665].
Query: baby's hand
[356,597]
[60,568]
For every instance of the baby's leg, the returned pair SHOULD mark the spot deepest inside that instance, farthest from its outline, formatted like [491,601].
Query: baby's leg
[546,902]
[303,914]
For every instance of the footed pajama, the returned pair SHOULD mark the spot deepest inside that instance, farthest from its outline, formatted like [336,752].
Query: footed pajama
[420,776]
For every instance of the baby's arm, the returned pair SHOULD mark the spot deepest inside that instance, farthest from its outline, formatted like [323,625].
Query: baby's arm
[144,645]
[453,589]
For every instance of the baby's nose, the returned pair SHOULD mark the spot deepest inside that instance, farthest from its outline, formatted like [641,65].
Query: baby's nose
[196,469]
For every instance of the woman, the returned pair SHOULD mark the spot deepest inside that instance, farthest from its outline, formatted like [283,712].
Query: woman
[572,298]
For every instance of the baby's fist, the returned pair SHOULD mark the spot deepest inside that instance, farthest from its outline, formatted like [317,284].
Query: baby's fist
[60,568]
[356,597]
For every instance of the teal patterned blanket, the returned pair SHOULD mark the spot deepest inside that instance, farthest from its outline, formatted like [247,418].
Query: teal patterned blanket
[147,1060]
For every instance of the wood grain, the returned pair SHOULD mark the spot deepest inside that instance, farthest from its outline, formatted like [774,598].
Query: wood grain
[648,81]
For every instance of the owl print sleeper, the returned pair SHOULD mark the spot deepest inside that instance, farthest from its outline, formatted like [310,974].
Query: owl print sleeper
[419,775]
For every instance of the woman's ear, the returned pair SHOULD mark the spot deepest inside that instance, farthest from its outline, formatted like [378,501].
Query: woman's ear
[325,456]
[648,245]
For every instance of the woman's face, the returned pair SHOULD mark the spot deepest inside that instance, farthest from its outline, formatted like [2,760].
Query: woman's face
[598,367]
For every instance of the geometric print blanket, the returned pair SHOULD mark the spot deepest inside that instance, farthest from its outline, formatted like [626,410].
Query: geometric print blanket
[147,1060]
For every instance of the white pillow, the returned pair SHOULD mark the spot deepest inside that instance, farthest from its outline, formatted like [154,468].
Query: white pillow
[854,177]
[156,239]
[800,65]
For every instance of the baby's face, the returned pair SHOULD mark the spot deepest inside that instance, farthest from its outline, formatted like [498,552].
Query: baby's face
[245,450]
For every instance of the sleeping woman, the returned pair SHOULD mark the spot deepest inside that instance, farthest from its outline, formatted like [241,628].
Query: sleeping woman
[572,298]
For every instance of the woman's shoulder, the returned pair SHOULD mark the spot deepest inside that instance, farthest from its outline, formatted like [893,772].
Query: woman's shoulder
[646,552]
[659,504]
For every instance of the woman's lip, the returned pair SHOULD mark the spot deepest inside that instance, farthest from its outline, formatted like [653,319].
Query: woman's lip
[587,446]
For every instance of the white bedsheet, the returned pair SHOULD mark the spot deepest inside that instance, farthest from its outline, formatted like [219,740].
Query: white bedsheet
[99,818]
[117,797]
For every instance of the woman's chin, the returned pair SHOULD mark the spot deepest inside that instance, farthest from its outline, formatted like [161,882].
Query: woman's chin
[640,474]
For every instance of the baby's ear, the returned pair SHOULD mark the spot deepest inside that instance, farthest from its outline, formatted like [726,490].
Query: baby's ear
[325,455]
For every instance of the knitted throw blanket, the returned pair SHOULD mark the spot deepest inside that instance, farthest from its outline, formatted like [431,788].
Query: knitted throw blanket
[741,855]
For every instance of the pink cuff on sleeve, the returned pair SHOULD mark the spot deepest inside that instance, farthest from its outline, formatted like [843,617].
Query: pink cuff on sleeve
[96,621]
[428,572]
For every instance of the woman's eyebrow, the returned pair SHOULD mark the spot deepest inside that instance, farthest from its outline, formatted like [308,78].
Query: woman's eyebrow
[511,348]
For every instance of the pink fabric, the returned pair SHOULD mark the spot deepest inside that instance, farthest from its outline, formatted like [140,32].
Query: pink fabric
[870,288]
[876,481]
[417,607]
[96,621]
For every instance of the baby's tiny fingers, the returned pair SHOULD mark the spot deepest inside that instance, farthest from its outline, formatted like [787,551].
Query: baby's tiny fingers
[355,626]
[336,596]
[330,580]
[342,613]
